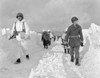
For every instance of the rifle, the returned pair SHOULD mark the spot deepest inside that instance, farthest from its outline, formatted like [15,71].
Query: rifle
[14,35]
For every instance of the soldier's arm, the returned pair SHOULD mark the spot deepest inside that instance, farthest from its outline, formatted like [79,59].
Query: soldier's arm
[12,32]
[13,29]
[81,34]
[42,38]
[67,35]
[27,28]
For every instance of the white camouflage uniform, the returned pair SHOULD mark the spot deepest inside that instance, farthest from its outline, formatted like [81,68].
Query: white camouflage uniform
[21,42]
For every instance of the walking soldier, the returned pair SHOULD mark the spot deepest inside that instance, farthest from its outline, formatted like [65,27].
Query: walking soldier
[45,39]
[20,31]
[75,37]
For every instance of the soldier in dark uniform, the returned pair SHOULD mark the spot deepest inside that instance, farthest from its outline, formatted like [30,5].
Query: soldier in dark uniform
[75,36]
[46,39]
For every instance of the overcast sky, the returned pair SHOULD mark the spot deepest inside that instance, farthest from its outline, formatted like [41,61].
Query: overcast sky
[50,14]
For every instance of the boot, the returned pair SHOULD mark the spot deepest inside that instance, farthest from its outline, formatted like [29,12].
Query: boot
[68,50]
[65,51]
[18,61]
[72,58]
[27,56]
[77,62]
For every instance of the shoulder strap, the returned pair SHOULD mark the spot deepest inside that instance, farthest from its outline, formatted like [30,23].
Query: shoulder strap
[23,28]
[75,29]
[15,27]
[15,31]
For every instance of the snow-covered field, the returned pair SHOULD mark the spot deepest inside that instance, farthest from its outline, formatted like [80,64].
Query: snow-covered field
[51,63]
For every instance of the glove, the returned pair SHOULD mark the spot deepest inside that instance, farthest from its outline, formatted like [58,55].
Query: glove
[82,44]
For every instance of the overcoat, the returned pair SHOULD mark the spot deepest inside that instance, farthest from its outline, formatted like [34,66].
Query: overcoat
[74,35]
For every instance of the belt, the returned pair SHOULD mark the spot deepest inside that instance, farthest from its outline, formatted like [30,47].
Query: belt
[19,31]
[74,36]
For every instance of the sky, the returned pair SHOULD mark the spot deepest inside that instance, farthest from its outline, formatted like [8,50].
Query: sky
[50,14]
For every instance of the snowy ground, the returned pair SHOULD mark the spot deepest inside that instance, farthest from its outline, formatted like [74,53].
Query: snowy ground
[51,63]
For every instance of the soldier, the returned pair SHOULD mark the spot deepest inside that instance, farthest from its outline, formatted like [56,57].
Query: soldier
[51,36]
[66,46]
[42,38]
[75,36]
[54,38]
[45,39]
[20,31]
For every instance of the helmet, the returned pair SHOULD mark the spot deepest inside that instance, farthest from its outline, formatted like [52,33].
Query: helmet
[49,30]
[66,29]
[74,19]
[19,15]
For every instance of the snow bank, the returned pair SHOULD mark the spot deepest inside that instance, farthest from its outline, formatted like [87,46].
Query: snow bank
[90,67]
[94,32]
[91,64]
[94,28]
[3,31]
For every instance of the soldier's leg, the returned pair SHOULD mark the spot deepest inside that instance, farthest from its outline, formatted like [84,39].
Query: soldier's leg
[72,54]
[44,43]
[49,42]
[77,55]
[18,56]
[25,48]
[68,49]
[65,49]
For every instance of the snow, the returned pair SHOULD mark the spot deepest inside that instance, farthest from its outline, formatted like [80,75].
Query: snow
[50,66]
[51,63]
[3,31]
[33,32]
[8,50]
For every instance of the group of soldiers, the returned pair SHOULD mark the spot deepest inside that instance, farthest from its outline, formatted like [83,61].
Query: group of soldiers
[47,37]
[73,38]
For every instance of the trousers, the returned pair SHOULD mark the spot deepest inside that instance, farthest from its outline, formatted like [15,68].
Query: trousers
[22,45]
[75,50]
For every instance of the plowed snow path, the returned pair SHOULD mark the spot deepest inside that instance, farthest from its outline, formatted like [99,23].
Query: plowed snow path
[55,64]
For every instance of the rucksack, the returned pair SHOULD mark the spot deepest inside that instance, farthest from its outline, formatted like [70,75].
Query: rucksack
[46,36]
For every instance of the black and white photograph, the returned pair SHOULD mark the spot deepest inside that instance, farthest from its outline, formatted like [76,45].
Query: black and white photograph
[49,38]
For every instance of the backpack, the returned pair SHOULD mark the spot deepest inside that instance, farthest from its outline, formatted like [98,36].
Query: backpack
[23,28]
[46,36]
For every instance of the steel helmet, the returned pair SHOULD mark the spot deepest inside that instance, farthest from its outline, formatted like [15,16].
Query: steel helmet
[19,15]
[49,30]
[74,19]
